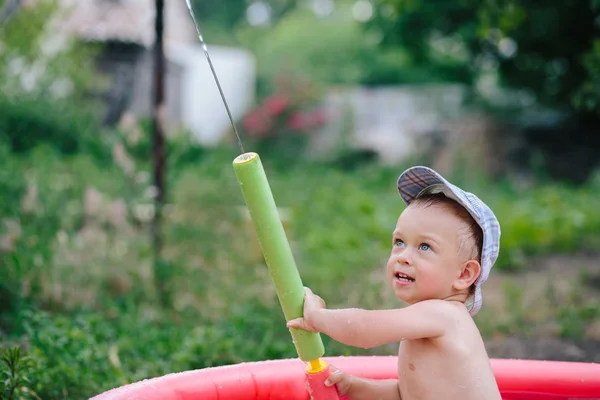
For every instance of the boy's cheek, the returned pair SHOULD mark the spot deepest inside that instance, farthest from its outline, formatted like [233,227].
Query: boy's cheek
[427,283]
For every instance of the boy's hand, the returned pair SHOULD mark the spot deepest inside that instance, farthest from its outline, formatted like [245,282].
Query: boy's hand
[356,388]
[312,305]
[341,380]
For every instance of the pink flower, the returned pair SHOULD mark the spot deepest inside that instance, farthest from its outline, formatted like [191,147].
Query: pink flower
[275,105]
[297,121]
[257,124]
[306,120]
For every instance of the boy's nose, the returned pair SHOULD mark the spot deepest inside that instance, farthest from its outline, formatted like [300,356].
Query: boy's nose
[405,257]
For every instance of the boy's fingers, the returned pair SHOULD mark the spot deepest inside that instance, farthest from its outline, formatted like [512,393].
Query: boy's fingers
[341,380]
[299,323]
[335,377]
[294,323]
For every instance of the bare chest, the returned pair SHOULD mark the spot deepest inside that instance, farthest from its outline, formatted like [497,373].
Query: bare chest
[428,370]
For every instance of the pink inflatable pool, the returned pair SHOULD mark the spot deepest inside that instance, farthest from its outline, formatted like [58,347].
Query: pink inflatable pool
[286,380]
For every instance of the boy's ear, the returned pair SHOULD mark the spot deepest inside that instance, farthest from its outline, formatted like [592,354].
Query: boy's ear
[469,273]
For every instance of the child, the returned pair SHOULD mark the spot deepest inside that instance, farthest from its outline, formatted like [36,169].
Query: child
[444,245]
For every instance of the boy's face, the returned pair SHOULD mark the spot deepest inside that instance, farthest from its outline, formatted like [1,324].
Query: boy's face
[426,255]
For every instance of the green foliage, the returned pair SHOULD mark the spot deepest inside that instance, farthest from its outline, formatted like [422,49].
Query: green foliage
[236,339]
[227,15]
[14,37]
[587,97]
[181,148]
[27,121]
[518,315]
[550,219]
[550,43]
[79,292]
[44,78]
[87,353]
[37,59]
[13,384]
[81,355]
[439,37]
[71,355]
[549,51]
[574,320]
[329,50]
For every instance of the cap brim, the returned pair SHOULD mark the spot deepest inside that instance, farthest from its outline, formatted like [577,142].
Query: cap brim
[415,180]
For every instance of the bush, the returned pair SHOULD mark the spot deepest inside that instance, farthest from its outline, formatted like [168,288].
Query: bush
[549,219]
[82,302]
[26,123]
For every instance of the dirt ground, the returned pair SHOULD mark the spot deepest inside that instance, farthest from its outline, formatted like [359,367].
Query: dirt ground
[550,349]
[529,305]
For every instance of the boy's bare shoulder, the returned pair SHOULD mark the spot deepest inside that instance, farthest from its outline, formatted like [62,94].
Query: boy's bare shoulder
[451,316]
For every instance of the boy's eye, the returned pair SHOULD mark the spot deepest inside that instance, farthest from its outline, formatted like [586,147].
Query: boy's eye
[424,247]
[398,242]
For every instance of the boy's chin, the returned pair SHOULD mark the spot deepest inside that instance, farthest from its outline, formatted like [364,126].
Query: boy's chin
[409,300]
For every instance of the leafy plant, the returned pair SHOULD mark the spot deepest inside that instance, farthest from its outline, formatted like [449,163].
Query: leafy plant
[15,369]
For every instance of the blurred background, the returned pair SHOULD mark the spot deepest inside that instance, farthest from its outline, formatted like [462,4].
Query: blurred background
[126,251]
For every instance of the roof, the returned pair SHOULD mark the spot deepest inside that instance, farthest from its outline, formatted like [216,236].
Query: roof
[130,21]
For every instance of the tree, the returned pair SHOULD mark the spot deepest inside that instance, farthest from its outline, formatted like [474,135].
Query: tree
[546,47]
[550,49]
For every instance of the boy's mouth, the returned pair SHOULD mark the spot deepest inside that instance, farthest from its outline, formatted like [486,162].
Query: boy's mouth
[403,277]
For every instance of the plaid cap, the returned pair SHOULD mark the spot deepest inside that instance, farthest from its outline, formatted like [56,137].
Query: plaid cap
[417,181]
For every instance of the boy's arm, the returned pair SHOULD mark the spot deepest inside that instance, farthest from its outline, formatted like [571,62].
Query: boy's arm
[358,388]
[371,328]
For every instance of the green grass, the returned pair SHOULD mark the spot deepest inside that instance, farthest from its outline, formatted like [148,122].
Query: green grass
[78,293]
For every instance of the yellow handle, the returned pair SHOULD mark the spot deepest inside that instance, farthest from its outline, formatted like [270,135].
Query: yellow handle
[316,366]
